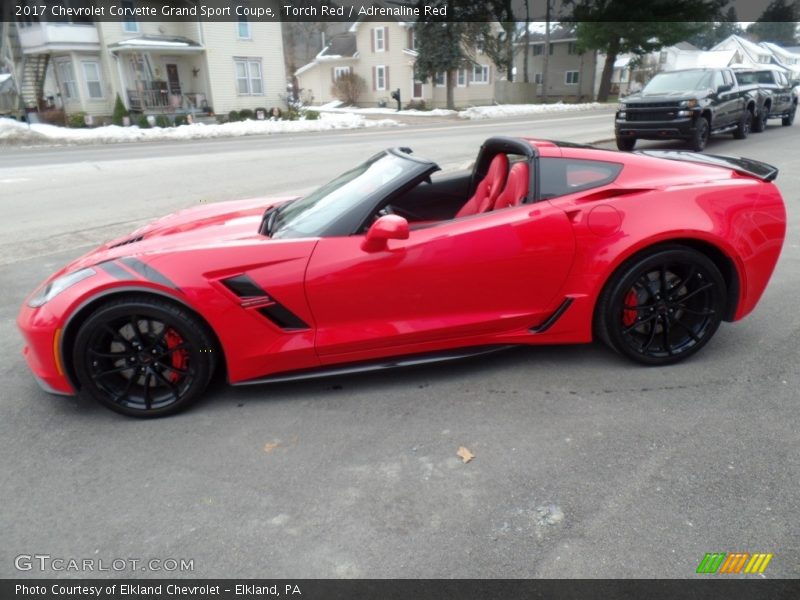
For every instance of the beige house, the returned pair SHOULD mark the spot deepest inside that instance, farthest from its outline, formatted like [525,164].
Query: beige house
[384,53]
[155,67]
[570,74]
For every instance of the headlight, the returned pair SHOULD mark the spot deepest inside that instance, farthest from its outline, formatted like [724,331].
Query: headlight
[622,106]
[689,103]
[55,287]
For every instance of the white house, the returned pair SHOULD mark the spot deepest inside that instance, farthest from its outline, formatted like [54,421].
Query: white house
[155,67]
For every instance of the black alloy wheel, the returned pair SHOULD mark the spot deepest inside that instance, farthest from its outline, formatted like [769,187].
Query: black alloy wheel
[144,357]
[743,128]
[789,119]
[760,122]
[662,307]
[701,134]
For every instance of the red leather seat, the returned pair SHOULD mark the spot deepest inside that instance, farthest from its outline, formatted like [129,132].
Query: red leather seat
[516,189]
[488,189]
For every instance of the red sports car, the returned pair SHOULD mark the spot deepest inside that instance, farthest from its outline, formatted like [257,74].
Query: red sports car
[541,243]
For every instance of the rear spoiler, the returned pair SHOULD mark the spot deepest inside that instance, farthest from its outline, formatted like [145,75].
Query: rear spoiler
[743,166]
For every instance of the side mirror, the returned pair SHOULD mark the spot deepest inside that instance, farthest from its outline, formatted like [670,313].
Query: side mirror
[388,227]
[725,87]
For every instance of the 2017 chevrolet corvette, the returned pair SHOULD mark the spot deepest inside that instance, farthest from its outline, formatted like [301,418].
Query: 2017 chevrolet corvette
[541,243]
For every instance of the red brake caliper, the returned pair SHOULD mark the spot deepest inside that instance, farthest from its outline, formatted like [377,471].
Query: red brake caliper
[629,314]
[179,358]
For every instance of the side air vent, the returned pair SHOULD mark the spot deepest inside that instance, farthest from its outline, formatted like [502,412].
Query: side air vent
[132,240]
[283,317]
[254,298]
[243,286]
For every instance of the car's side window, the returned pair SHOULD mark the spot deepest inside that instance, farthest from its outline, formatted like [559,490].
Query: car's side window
[562,176]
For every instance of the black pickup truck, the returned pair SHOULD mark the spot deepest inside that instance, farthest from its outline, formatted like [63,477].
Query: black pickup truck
[776,98]
[689,104]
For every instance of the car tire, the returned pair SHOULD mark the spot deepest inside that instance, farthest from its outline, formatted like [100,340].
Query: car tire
[789,119]
[700,135]
[144,356]
[760,122]
[626,144]
[743,128]
[662,306]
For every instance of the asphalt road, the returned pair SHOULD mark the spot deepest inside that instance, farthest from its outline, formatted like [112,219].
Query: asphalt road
[586,465]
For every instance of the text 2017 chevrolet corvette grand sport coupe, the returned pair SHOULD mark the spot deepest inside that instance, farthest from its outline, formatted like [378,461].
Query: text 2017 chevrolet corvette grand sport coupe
[542,243]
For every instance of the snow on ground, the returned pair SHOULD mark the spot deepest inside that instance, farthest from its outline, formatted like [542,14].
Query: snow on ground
[475,112]
[14,132]
[336,107]
[516,110]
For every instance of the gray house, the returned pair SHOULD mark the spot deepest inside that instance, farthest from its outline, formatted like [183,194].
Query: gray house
[570,74]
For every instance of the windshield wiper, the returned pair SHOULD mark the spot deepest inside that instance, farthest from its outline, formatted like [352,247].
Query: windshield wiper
[268,220]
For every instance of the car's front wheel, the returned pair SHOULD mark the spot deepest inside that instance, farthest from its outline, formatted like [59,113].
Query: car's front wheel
[143,356]
[789,119]
[760,122]
[743,128]
[626,143]
[662,307]
[700,135]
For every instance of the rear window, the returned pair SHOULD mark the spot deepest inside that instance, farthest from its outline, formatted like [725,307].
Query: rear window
[562,176]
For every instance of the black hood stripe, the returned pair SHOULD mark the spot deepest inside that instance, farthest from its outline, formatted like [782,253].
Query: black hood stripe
[147,272]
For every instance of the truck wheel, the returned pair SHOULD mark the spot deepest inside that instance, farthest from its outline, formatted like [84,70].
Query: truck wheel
[700,137]
[626,144]
[743,128]
[789,119]
[760,122]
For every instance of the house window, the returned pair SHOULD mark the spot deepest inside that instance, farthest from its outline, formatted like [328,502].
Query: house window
[572,48]
[538,49]
[243,28]
[248,77]
[439,80]
[552,47]
[340,71]
[379,34]
[462,78]
[537,78]
[380,77]
[571,77]
[129,26]
[91,73]
[67,74]
[480,74]
[414,40]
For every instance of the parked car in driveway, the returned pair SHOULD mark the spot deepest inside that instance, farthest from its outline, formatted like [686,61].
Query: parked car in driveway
[388,265]
[690,104]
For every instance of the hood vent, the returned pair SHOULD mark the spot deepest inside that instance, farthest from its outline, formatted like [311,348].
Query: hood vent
[132,240]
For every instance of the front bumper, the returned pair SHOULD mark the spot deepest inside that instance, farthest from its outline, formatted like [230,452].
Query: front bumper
[680,128]
[41,351]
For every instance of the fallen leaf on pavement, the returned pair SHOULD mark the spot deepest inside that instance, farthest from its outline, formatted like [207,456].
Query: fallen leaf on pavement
[465,455]
[270,446]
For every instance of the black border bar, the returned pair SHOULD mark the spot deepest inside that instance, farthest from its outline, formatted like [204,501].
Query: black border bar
[712,588]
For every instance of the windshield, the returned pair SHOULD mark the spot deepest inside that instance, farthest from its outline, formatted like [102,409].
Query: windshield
[309,216]
[679,81]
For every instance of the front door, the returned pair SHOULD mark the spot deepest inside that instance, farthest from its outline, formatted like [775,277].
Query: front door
[465,278]
[173,80]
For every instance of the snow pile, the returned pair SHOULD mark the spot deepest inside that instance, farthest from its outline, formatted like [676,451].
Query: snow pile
[14,132]
[516,110]
[333,107]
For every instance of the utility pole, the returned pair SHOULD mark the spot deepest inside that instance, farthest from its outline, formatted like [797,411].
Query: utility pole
[546,61]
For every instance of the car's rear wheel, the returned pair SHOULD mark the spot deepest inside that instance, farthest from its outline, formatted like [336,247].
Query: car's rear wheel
[143,356]
[789,119]
[663,306]
[701,134]
[626,143]
[743,128]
